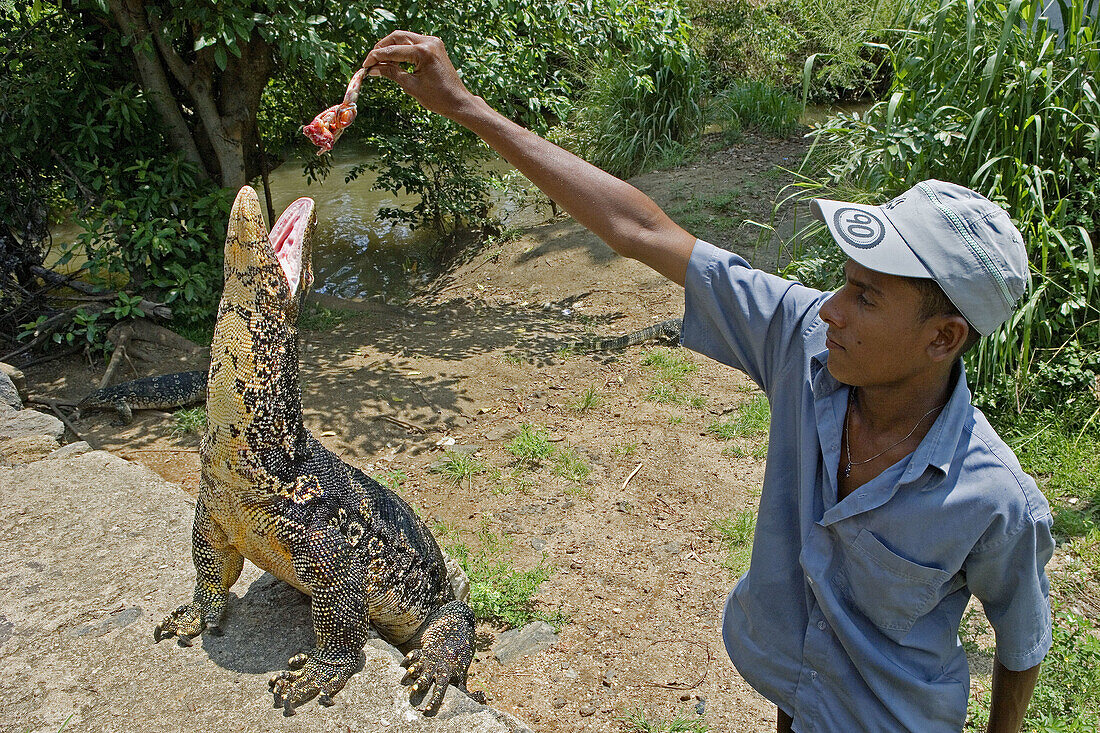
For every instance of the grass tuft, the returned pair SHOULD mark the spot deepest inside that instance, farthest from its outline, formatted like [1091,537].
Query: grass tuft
[736,532]
[531,446]
[191,420]
[498,592]
[635,721]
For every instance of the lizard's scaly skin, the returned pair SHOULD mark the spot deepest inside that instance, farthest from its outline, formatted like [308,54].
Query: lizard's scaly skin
[270,492]
[164,392]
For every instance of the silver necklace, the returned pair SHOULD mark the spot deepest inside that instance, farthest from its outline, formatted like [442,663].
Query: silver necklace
[848,445]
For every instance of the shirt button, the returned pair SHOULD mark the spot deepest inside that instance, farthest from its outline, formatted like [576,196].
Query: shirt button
[813,675]
[821,625]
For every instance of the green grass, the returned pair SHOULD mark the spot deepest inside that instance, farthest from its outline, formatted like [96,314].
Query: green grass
[624,450]
[531,446]
[755,105]
[640,106]
[315,317]
[668,370]
[751,421]
[499,593]
[669,364]
[459,467]
[982,96]
[504,483]
[635,721]
[736,533]
[191,420]
[570,465]
[392,478]
[588,400]
[1060,447]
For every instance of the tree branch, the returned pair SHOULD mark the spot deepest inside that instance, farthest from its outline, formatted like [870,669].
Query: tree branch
[130,16]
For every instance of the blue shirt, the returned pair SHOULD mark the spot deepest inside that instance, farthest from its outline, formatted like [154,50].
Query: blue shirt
[849,613]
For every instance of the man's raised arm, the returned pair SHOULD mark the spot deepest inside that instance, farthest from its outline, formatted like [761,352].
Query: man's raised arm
[619,214]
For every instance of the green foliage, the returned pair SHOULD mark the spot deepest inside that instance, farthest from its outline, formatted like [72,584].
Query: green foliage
[1065,461]
[669,369]
[392,478]
[436,161]
[770,42]
[531,446]
[640,108]
[315,317]
[635,721]
[77,131]
[984,96]
[191,420]
[755,105]
[498,592]
[669,364]
[1067,696]
[1067,693]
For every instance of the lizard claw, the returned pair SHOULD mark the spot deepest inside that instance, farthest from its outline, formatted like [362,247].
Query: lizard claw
[442,659]
[185,623]
[308,677]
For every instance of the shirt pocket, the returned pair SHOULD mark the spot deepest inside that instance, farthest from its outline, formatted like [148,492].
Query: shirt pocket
[891,591]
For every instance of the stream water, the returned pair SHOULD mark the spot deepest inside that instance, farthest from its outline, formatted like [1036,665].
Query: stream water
[358,254]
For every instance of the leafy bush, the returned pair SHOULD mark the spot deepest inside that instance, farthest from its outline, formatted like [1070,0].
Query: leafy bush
[984,96]
[498,592]
[150,223]
[770,42]
[755,105]
[641,107]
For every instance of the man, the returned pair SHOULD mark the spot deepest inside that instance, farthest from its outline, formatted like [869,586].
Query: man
[887,499]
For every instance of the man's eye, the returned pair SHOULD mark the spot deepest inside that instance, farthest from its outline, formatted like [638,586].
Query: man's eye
[863,300]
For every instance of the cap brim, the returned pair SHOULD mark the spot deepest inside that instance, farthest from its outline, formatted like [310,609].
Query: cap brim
[866,234]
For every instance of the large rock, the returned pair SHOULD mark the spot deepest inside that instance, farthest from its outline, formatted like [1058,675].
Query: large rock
[96,551]
[21,423]
[9,393]
[530,639]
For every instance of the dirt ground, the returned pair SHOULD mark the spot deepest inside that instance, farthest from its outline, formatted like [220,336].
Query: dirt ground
[640,568]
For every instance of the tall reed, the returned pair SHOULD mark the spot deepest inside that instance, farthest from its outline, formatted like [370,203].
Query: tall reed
[985,95]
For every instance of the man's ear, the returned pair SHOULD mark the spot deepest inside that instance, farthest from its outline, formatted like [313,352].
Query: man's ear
[948,338]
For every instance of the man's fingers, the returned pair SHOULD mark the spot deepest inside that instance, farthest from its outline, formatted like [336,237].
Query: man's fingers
[404,38]
[394,55]
[394,73]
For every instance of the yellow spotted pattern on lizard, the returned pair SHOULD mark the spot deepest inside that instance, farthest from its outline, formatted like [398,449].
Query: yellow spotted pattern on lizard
[271,493]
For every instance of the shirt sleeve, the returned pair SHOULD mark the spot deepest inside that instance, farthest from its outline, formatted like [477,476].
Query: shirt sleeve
[1009,579]
[745,317]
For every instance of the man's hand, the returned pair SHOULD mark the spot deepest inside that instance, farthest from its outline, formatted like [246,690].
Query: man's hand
[433,80]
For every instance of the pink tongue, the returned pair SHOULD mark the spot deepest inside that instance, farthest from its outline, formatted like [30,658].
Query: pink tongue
[286,240]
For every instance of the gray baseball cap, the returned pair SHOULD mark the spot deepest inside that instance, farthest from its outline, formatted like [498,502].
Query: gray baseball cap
[943,231]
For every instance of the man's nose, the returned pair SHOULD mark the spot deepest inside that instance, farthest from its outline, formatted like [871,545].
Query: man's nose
[830,311]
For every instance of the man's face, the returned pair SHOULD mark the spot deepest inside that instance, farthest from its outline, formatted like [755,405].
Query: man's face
[875,336]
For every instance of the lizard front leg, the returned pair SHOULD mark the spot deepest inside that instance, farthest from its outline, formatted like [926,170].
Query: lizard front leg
[217,567]
[339,622]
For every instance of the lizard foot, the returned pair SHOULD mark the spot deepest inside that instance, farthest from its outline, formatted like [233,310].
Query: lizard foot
[445,648]
[308,676]
[187,622]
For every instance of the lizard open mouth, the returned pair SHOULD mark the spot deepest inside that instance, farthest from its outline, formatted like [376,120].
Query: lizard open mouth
[287,240]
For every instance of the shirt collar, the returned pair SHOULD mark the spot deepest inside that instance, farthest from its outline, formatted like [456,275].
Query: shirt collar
[939,446]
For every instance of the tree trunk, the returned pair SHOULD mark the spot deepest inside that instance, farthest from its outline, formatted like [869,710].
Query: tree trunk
[130,16]
[225,103]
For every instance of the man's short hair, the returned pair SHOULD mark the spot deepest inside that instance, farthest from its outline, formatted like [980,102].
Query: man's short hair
[934,302]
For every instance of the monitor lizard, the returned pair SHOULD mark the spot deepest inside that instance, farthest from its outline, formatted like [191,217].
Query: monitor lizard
[271,493]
